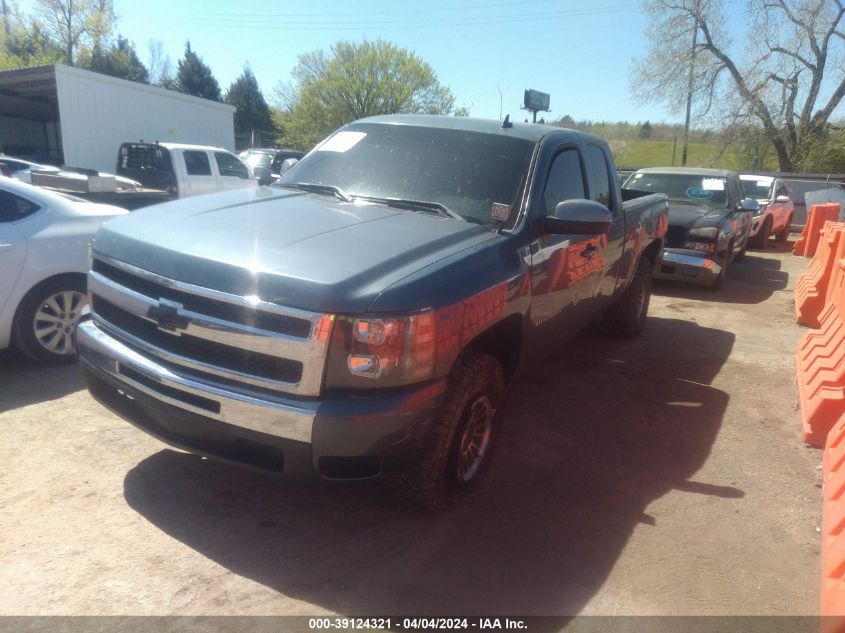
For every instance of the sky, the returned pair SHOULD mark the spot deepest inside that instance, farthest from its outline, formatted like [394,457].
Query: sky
[487,51]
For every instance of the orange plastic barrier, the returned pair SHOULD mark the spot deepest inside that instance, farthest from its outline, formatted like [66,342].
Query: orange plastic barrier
[816,217]
[833,527]
[813,288]
[820,366]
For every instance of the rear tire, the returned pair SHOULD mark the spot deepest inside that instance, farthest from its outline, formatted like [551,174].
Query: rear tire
[45,324]
[462,440]
[782,235]
[626,318]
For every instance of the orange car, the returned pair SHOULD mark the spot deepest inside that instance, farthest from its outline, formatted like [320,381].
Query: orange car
[776,209]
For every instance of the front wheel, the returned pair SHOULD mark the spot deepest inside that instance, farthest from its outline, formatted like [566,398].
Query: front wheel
[626,318]
[46,321]
[783,234]
[719,282]
[761,240]
[464,435]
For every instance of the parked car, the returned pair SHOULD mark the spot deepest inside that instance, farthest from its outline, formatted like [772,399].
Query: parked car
[709,221]
[22,169]
[362,318]
[267,157]
[183,170]
[44,240]
[776,209]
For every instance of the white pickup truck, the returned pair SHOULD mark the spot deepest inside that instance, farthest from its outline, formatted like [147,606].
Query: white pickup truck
[162,172]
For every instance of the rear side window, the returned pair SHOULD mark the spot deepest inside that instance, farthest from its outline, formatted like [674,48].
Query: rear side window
[599,176]
[13,207]
[565,182]
[196,163]
[230,166]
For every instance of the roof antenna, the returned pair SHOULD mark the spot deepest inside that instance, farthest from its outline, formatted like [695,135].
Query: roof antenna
[507,122]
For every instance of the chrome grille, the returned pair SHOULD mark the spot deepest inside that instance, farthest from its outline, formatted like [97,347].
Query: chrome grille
[221,338]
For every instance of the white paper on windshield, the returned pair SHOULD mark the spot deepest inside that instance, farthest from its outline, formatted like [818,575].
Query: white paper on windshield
[763,183]
[342,142]
[713,184]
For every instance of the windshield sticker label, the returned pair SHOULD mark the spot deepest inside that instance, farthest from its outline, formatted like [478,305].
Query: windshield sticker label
[713,184]
[341,142]
[763,184]
[698,193]
[500,212]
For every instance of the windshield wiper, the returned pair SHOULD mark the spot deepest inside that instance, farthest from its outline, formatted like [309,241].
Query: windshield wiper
[418,205]
[315,187]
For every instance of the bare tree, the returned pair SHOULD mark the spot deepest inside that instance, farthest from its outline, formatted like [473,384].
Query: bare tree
[788,78]
[75,23]
[160,66]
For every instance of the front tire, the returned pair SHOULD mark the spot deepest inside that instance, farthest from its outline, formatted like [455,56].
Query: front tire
[463,438]
[719,282]
[761,240]
[626,318]
[45,324]
[783,234]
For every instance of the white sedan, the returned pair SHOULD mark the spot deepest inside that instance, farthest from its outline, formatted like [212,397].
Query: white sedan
[22,169]
[44,239]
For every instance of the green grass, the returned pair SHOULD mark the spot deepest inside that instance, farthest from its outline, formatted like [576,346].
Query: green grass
[649,153]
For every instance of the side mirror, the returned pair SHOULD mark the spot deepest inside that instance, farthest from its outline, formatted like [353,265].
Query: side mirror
[262,175]
[286,165]
[750,205]
[580,217]
[782,199]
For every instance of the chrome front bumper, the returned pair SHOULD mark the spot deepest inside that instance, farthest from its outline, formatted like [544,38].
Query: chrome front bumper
[106,355]
[683,265]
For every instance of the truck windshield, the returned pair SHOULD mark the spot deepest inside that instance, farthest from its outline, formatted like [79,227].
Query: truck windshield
[703,190]
[466,172]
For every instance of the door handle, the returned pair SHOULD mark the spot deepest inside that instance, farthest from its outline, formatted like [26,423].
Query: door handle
[589,251]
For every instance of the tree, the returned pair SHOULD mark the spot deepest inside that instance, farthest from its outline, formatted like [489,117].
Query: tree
[77,23]
[352,80]
[252,114]
[788,82]
[23,43]
[194,77]
[119,59]
[160,67]
[645,131]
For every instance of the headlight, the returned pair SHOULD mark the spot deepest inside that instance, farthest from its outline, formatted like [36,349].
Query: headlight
[382,351]
[707,233]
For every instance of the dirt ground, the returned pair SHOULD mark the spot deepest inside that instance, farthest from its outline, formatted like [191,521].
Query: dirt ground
[660,476]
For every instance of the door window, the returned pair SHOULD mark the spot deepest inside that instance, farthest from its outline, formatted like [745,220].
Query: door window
[565,182]
[196,163]
[599,176]
[230,166]
[13,207]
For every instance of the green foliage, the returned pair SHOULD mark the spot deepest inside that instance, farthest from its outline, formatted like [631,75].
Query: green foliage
[645,131]
[194,77]
[76,25]
[118,60]
[23,42]
[352,81]
[252,112]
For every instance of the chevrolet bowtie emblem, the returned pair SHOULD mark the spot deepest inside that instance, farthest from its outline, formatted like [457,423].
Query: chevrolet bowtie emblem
[166,315]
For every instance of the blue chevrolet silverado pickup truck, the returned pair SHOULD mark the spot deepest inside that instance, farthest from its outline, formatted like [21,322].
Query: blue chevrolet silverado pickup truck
[363,317]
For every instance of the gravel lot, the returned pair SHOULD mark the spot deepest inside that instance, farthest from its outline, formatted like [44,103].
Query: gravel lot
[660,476]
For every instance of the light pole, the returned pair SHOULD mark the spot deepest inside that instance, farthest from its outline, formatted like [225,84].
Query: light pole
[500,101]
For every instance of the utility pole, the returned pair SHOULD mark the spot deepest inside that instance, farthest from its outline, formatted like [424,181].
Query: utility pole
[497,88]
[689,88]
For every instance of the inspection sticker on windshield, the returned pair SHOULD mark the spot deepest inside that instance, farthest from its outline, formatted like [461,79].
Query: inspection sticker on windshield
[500,212]
[342,142]
[713,184]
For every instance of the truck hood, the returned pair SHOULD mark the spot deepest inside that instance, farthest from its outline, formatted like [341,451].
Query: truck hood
[292,248]
[687,216]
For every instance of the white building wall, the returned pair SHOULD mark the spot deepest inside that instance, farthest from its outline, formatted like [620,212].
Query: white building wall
[99,112]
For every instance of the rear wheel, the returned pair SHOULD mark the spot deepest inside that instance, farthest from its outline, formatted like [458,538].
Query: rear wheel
[782,235]
[45,325]
[626,318]
[464,436]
